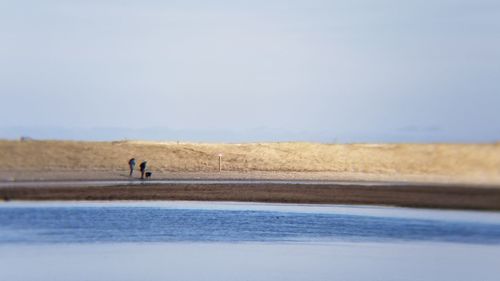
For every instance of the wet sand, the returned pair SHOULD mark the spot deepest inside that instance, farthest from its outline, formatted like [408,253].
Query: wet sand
[394,194]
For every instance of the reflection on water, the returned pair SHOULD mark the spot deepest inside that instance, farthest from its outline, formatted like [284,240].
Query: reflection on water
[243,241]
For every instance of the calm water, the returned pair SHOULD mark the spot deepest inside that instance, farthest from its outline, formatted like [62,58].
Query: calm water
[240,241]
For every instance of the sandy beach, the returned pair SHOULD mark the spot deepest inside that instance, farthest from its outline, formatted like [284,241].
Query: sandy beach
[422,163]
[428,175]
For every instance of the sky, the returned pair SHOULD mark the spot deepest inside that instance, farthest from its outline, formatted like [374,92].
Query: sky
[260,70]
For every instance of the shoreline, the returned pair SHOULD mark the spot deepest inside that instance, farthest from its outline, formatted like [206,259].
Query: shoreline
[440,196]
[37,175]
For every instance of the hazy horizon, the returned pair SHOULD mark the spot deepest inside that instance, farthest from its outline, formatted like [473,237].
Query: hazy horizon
[403,135]
[239,71]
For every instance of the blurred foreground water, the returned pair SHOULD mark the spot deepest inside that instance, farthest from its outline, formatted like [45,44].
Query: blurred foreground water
[244,241]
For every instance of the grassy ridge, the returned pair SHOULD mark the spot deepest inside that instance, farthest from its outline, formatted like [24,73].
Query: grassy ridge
[474,161]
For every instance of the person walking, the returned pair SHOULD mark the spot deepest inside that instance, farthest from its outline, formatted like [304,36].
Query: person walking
[131,164]
[143,167]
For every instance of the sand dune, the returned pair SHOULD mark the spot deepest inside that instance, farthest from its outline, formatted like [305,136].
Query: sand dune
[470,163]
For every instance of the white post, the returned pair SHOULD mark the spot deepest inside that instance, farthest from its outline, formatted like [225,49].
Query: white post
[220,162]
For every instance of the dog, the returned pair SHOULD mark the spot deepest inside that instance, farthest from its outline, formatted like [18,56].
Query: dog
[148,175]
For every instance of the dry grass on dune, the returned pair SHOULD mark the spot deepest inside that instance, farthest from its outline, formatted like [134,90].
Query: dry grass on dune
[477,161]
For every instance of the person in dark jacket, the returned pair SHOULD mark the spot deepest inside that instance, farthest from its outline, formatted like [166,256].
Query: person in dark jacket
[143,167]
[131,164]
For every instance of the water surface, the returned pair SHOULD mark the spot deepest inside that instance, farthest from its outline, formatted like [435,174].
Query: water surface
[244,241]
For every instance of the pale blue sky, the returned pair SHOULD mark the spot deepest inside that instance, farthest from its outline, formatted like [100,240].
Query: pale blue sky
[318,70]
